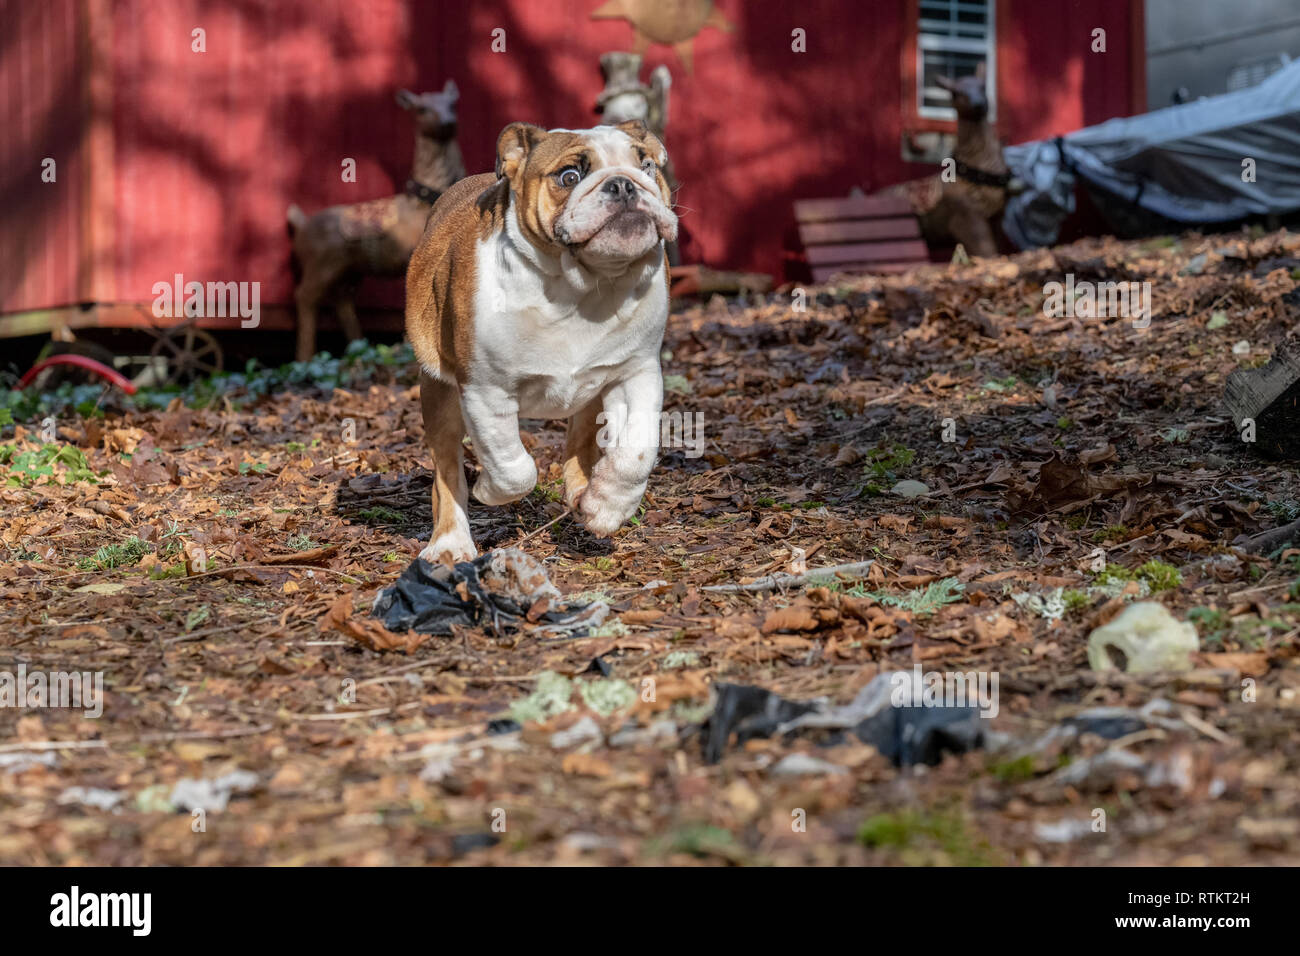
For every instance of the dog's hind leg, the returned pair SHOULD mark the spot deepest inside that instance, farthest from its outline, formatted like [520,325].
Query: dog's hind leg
[580,452]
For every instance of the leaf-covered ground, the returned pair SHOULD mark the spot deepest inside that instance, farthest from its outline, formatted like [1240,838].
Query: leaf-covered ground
[217,565]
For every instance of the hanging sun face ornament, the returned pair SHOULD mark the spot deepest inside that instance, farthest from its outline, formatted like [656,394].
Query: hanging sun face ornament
[673,23]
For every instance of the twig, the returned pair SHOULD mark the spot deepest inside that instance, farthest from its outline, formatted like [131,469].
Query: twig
[160,738]
[532,534]
[221,629]
[1211,731]
[349,714]
[1273,539]
[272,567]
[774,581]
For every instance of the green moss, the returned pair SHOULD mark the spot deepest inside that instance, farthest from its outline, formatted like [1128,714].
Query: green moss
[1007,384]
[698,839]
[1157,575]
[380,515]
[883,466]
[607,696]
[1160,576]
[553,694]
[1114,532]
[550,696]
[677,385]
[927,837]
[1014,771]
[1065,423]
[549,490]
[1074,600]
[677,659]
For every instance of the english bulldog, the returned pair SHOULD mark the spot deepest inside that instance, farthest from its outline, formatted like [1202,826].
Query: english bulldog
[541,291]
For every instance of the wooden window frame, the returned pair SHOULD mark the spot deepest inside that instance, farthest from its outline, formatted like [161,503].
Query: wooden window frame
[910,68]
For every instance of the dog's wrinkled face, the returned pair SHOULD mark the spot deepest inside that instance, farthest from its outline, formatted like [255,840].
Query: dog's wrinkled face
[968,96]
[599,193]
[435,113]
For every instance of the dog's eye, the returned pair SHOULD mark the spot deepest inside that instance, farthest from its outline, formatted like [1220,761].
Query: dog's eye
[570,176]
[649,167]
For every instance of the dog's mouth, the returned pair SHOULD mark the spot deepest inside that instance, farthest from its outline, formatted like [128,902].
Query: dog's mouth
[626,223]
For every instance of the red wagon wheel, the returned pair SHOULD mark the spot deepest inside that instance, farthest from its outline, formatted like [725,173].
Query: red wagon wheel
[189,352]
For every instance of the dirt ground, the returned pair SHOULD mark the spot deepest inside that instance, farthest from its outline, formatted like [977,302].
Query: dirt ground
[1043,444]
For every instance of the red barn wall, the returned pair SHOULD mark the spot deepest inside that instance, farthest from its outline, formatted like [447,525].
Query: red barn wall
[42,115]
[207,149]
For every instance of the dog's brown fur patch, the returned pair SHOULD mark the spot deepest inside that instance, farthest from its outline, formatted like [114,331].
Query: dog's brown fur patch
[442,277]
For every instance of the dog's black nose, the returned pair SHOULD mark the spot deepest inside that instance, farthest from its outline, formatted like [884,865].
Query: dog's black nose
[620,188]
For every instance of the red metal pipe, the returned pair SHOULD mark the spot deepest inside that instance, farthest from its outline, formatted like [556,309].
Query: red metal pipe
[81,361]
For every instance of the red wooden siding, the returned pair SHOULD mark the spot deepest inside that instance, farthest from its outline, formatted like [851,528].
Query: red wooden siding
[196,155]
[42,114]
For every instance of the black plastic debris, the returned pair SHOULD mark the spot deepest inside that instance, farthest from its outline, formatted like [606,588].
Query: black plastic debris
[1112,723]
[464,843]
[747,712]
[496,590]
[906,733]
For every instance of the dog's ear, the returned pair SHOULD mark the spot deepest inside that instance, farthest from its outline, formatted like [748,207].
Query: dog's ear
[513,146]
[449,89]
[406,99]
[638,130]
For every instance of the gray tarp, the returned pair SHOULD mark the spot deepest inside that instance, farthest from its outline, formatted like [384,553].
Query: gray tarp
[1184,163]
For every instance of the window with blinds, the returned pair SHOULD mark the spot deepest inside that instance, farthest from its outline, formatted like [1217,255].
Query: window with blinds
[953,37]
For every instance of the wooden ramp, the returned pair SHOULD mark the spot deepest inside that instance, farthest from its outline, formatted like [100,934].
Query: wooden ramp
[859,234]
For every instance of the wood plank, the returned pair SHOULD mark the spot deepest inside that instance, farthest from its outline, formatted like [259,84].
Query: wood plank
[857,230]
[1264,404]
[96,274]
[851,207]
[825,273]
[860,252]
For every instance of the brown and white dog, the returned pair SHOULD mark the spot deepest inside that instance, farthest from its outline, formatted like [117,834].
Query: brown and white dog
[541,291]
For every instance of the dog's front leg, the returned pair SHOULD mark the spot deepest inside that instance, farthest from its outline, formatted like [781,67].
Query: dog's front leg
[629,439]
[507,471]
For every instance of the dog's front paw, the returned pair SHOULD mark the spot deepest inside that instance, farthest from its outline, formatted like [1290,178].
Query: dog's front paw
[510,485]
[456,546]
[601,513]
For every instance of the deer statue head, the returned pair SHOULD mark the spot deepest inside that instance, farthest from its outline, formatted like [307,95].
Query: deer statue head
[968,96]
[434,113]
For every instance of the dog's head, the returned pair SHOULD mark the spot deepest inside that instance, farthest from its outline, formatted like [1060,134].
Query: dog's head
[969,98]
[434,113]
[598,193]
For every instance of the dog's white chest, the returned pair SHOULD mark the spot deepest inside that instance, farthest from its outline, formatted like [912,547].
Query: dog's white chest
[553,348]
